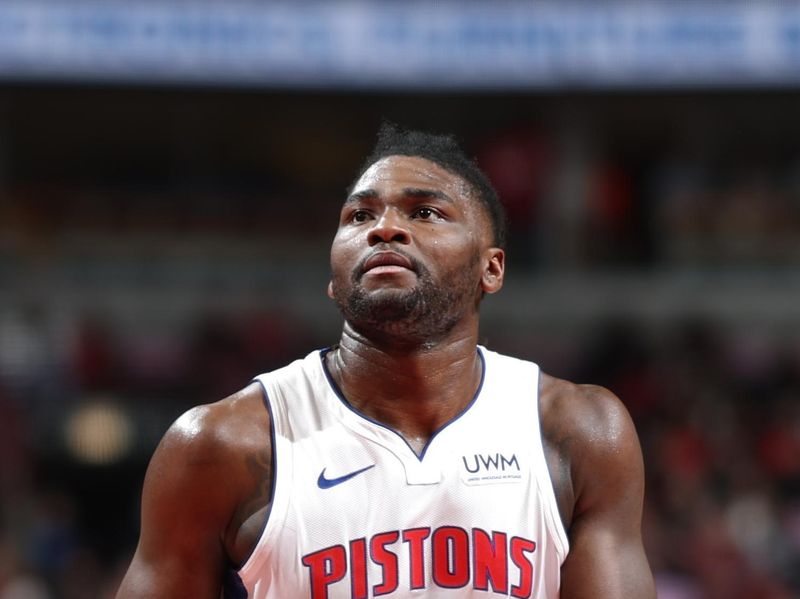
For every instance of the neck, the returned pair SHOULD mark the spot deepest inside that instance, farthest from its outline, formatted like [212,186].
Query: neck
[414,388]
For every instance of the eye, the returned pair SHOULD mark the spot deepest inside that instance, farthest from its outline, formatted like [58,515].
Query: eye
[424,213]
[359,216]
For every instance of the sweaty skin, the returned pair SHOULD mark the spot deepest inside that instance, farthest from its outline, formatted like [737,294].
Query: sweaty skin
[208,485]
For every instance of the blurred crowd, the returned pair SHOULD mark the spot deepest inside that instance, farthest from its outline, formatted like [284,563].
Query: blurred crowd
[718,417]
[91,374]
[69,491]
[719,420]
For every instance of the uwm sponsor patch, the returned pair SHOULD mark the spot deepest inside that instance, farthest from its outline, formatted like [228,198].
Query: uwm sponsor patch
[490,468]
[447,557]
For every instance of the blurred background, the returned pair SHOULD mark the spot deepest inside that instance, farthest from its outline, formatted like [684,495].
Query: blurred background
[170,177]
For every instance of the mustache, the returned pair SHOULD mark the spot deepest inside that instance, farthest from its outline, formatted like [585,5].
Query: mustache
[359,269]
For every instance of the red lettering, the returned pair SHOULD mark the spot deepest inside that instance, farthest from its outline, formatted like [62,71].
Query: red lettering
[386,559]
[519,547]
[324,568]
[358,568]
[450,557]
[490,559]
[416,554]
[457,557]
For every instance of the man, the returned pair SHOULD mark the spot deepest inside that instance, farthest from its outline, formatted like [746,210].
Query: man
[404,461]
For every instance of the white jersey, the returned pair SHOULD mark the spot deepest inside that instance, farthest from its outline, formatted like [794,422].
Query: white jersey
[357,514]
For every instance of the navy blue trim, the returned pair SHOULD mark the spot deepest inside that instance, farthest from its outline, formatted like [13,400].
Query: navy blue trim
[421,456]
[274,461]
[232,586]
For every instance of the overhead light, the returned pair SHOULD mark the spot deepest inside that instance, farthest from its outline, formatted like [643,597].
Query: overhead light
[98,432]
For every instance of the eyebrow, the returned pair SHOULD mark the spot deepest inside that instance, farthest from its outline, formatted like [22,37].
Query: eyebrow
[414,192]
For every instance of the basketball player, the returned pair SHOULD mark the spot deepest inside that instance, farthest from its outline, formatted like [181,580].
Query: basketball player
[405,460]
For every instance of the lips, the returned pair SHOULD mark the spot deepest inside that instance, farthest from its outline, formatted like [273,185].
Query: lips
[386,259]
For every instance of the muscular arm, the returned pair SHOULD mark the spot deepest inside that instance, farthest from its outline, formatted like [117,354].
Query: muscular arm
[594,436]
[198,481]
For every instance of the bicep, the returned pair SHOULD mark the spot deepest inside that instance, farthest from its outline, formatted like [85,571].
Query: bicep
[179,551]
[605,563]
[154,577]
[606,558]
[165,565]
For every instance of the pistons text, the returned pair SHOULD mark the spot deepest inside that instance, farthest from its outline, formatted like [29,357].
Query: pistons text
[456,558]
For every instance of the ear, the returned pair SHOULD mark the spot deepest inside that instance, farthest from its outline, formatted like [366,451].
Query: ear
[493,270]
[330,289]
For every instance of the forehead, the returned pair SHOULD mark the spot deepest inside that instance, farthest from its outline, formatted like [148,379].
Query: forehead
[395,173]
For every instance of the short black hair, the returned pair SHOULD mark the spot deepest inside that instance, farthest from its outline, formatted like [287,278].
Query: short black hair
[444,150]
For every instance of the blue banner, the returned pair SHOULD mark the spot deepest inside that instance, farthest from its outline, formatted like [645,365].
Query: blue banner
[417,45]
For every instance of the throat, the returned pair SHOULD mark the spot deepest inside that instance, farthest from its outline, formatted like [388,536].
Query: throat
[417,444]
[416,401]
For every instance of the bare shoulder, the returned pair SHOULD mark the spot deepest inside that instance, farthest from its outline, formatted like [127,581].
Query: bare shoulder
[233,424]
[589,440]
[586,411]
[231,421]
[220,452]
[207,470]
[591,445]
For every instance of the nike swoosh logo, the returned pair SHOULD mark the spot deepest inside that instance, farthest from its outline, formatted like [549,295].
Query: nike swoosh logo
[327,483]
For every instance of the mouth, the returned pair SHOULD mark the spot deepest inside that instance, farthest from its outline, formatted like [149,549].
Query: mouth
[386,263]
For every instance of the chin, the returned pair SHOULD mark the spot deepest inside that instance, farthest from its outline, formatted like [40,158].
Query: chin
[378,293]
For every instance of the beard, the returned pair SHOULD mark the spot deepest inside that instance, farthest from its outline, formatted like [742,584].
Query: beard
[424,313]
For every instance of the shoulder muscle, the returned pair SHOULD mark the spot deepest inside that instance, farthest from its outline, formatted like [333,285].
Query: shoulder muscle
[606,475]
[595,436]
[198,479]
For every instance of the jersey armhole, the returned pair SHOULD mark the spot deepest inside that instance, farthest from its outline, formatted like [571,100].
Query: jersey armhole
[552,515]
[260,551]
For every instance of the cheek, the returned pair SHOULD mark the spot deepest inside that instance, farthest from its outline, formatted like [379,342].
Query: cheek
[343,253]
[456,254]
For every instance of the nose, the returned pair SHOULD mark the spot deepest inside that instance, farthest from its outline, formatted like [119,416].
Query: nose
[389,227]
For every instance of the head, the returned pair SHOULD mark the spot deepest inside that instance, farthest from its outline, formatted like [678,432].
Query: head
[420,240]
